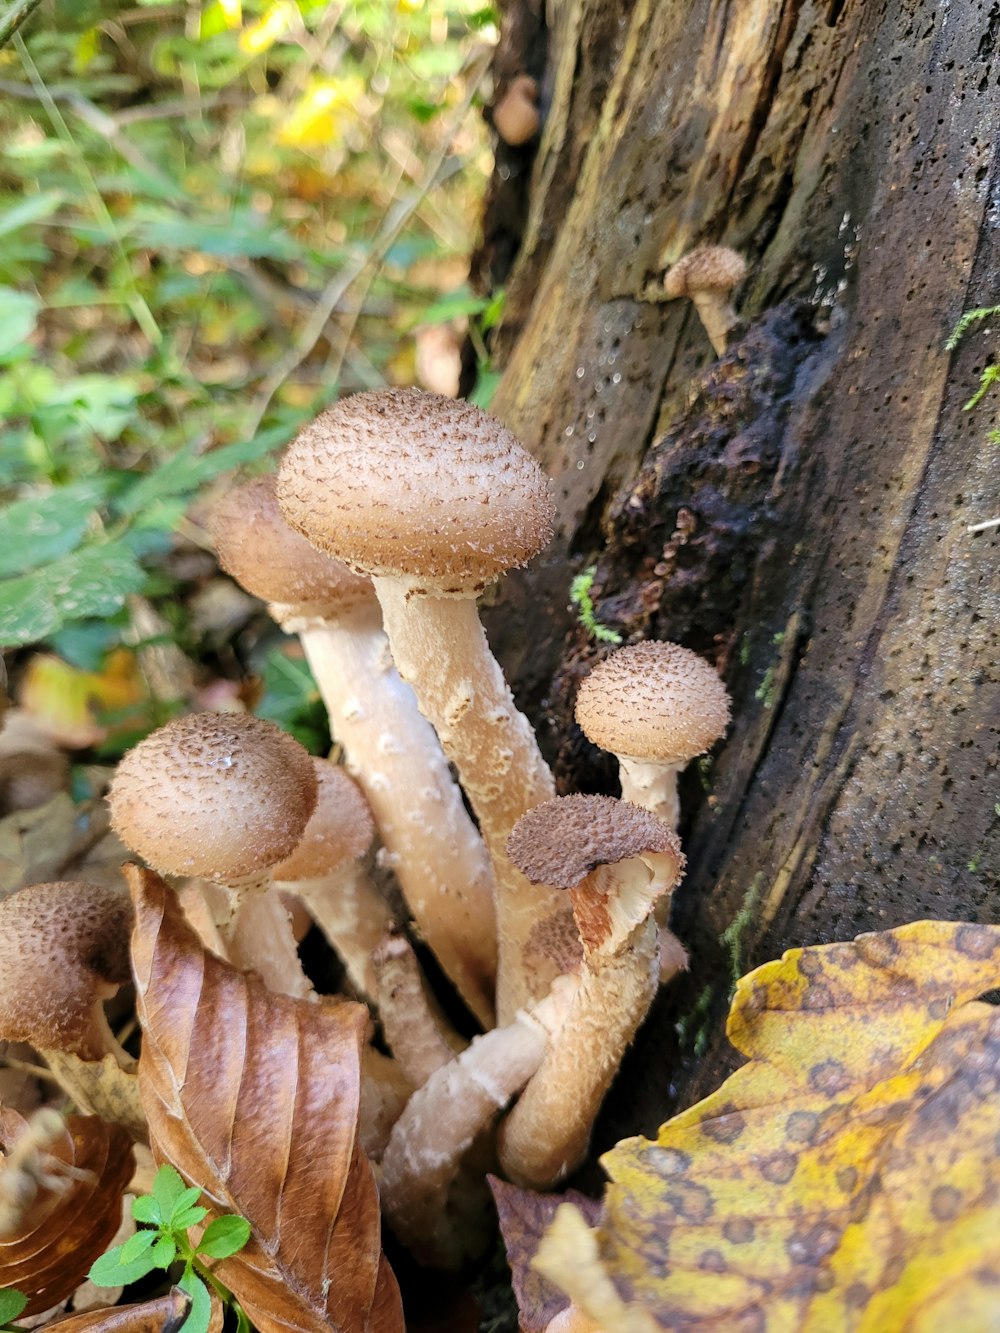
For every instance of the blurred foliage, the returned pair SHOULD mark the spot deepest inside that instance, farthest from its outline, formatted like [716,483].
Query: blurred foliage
[215,217]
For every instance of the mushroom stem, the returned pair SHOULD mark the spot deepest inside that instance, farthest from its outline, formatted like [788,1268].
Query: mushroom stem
[717,315]
[440,647]
[444,1117]
[258,937]
[569,1257]
[392,752]
[415,1029]
[653,786]
[353,916]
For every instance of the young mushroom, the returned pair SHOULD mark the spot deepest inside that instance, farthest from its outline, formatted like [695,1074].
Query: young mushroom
[326,872]
[708,276]
[223,796]
[515,115]
[389,747]
[435,499]
[616,861]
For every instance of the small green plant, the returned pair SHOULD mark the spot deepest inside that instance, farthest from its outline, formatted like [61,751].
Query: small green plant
[11,1304]
[166,1215]
[579,595]
[991,373]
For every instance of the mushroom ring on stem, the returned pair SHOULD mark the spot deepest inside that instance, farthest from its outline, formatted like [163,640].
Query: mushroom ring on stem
[223,796]
[389,747]
[435,500]
[616,860]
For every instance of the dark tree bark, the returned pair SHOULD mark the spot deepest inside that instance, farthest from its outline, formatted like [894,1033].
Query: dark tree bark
[796,510]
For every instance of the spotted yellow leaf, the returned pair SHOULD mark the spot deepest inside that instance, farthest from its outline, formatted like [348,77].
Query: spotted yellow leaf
[845,1178]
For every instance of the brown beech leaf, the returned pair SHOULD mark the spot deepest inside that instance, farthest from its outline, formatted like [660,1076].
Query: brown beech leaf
[254,1098]
[68,1192]
[845,1178]
[165,1314]
[524,1218]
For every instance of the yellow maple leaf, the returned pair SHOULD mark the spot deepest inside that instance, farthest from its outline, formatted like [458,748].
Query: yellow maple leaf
[69,703]
[846,1178]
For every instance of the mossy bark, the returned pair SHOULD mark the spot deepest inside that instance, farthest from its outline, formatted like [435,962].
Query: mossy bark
[797,509]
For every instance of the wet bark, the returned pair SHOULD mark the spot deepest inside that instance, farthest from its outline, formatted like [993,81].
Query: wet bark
[797,509]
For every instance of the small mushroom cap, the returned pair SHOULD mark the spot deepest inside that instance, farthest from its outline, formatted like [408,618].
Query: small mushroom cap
[273,561]
[220,795]
[341,828]
[710,268]
[416,486]
[515,115]
[561,841]
[653,701]
[63,948]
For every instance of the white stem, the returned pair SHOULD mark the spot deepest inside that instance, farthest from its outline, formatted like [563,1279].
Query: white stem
[259,939]
[717,315]
[445,1116]
[415,1029]
[432,844]
[569,1257]
[441,649]
[351,913]
[652,786]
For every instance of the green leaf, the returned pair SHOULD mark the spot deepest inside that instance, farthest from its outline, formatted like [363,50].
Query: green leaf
[165,1251]
[93,581]
[182,1204]
[137,1245]
[186,472]
[486,387]
[147,1209]
[18,314]
[187,1217]
[11,1304]
[33,209]
[168,1186]
[111,1271]
[241,236]
[200,1313]
[224,1236]
[42,528]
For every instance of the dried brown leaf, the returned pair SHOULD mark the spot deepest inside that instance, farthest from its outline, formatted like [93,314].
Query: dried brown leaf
[524,1218]
[254,1098]
[165,1314]
[101,1087]
[63,1229]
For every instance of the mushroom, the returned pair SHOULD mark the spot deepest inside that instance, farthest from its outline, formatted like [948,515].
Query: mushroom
[435,500]
[63,952]
[325,871]
[655,706]
[708,275]
[615,860]
[515,116]
[420,1187]
[223,796]
[415,1029]
[389,747]
[569,1257]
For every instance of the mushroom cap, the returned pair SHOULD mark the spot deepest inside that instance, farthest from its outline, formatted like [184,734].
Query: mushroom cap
[273,561]
[710,268]
[653,701]
[340,829]
[413,485]
[515,115]
[63,948]
[220,795]
[561,841]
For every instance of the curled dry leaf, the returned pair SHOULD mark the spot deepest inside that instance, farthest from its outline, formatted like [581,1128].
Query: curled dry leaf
[165,1314]
[524,1218]
[254,1097]
[70,1192]
[847,1176]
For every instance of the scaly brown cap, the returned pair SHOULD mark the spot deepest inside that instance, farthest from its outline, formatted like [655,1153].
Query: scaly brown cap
[416,486]
[516,116]
[341,828]
[220,795]
[273,561]
[710,268]
[561,841]
[63,948]
[653,701]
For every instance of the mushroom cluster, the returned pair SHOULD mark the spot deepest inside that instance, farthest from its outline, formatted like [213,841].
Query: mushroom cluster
[389,516]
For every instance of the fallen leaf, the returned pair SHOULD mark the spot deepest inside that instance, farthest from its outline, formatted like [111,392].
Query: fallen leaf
[57,1233]
[847,1176]
[73,705]
[101,1087]
[165,1314]
[524,1218]
[254,1098]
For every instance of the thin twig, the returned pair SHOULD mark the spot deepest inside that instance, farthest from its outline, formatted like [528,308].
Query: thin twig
[981,527]
[15,16]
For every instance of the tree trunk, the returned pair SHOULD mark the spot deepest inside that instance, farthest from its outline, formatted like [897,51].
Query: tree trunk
[797,509]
